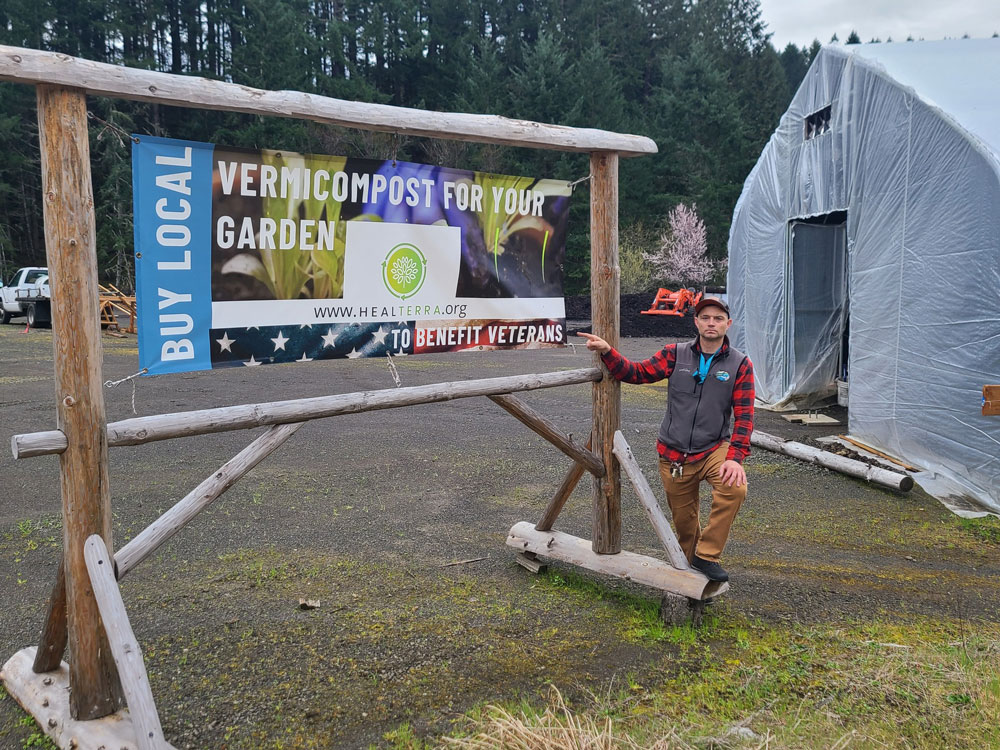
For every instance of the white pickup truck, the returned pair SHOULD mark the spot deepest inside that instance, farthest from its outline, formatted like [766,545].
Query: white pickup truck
[27,294]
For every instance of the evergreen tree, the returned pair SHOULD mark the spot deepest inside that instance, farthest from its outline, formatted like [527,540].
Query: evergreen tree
[542,87]
[795,63]
[704,140]
[701,78]
[814,49]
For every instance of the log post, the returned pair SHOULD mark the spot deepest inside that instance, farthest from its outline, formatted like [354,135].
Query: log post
[604,289]
[70,246]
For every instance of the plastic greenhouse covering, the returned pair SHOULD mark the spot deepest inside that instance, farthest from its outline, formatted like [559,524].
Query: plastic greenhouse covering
[865,247]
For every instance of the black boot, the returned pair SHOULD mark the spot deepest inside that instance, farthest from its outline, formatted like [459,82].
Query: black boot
[712,570]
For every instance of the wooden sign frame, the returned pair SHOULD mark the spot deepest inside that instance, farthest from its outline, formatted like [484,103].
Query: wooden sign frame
[86,612]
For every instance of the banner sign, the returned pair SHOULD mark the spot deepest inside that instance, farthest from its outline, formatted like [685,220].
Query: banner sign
[255,257]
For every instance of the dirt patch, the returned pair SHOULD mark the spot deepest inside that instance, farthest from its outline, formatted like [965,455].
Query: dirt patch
[362,512]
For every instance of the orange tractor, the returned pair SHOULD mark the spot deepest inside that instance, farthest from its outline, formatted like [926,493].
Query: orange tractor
[673,303]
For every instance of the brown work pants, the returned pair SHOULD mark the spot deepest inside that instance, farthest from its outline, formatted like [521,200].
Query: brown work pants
[682,494]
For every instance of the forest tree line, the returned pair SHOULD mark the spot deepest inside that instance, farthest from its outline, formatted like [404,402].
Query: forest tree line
[700,77]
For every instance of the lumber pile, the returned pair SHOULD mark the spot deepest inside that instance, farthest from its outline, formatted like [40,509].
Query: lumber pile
[112,301]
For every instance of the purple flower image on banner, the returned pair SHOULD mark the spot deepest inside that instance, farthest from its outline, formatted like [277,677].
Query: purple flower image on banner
[513,228]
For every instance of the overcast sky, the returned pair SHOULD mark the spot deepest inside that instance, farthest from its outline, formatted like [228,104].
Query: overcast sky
[800,22]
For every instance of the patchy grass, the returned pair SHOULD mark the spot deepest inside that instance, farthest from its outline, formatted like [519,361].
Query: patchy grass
[34,737]
[25,544]
[16,379]
[898,529]
[921,684]
[389,644]
[639,616]
[985,529]
[648,395]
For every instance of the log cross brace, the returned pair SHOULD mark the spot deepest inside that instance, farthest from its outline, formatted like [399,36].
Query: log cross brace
[124,647]
[54,634]
[660,524]
[536,422]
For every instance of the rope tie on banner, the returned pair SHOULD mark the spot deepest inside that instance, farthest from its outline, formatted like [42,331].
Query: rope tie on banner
[395,148]
[115,383]
[392,369]
[572,185]
[121,133]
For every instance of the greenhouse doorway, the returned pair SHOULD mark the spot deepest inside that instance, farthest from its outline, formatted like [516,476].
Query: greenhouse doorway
[817,304]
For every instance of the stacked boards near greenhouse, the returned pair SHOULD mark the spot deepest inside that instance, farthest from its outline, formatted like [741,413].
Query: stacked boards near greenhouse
[865,248]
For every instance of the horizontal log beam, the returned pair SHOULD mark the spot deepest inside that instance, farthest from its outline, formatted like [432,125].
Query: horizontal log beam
[28,445]
[859,469]
[648,571]
[101,79]
[164,527]
[537,423]
[140,430]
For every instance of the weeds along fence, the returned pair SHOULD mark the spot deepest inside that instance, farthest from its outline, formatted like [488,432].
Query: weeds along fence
[80,704]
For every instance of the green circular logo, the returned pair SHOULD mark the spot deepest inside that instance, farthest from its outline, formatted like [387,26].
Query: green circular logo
[404,270]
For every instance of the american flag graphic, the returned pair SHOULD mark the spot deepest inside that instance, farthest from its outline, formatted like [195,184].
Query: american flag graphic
[261,345]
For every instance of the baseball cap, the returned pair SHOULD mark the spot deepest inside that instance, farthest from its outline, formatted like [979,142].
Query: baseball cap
[710,302]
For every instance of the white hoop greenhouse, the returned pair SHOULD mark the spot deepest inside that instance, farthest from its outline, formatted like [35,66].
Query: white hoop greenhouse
[865,248]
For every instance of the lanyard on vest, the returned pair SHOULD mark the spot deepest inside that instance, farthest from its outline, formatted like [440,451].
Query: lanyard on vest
[703,364]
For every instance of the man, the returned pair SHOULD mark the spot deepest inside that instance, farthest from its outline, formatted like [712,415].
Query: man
[709,381]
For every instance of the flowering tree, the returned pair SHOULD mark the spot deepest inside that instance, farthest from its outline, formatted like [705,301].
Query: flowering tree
[681,255]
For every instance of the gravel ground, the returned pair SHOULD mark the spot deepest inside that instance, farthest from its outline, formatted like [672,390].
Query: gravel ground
[363,512]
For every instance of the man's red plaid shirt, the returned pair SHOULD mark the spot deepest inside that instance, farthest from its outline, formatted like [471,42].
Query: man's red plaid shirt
[661,365]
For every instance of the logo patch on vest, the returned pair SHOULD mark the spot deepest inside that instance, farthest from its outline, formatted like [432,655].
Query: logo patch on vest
[722,375]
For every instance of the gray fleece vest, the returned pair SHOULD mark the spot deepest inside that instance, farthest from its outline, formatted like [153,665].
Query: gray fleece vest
[699,415]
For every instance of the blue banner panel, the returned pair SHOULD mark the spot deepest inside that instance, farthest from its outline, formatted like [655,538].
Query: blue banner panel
[172,205]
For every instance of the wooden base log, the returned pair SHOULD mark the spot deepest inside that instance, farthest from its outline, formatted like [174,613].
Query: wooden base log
[46,698]
[648,571]
[529,561]
[679,610]
[859,469]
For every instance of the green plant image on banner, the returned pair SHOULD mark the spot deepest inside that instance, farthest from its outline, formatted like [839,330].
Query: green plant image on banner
[287,271]
[404,270]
